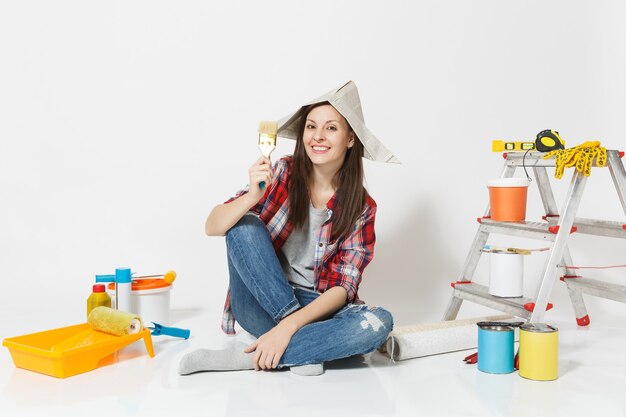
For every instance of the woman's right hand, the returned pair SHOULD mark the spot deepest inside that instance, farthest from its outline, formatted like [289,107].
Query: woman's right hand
[260,172]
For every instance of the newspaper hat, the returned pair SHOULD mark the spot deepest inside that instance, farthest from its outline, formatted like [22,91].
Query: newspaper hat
[346,101]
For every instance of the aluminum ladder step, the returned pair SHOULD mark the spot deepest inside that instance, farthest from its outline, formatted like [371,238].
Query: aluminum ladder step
[518,306]
[532,230]
[597,288]
[535,159]
[595,227]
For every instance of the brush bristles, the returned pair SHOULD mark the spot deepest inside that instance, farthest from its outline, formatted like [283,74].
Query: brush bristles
[267,136]
[268,128]
[267,145]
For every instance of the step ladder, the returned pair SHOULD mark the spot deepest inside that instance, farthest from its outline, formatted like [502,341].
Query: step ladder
[555,229]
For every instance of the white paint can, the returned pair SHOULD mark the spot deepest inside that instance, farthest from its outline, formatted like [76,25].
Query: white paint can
[506,274]
[150,300]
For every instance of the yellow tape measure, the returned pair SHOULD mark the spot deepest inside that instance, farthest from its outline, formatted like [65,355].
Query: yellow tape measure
[505,146]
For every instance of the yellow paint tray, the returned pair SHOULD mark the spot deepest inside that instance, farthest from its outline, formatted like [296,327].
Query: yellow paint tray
[71,350]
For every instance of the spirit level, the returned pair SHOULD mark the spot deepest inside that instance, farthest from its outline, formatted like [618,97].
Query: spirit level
[507,146]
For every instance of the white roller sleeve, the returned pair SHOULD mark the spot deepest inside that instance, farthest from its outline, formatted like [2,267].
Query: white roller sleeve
[134,326]
[407,342]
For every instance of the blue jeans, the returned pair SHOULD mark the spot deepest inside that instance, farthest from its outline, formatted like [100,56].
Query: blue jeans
[261,296]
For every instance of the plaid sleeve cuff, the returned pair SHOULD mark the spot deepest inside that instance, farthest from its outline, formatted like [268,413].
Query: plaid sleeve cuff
[228,319]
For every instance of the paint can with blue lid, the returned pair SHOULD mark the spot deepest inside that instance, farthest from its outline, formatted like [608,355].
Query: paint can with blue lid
[495,349]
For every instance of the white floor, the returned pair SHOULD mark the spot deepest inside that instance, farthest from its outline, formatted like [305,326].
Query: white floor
[592,381]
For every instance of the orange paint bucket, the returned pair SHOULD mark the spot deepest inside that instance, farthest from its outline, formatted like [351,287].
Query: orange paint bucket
[507,198]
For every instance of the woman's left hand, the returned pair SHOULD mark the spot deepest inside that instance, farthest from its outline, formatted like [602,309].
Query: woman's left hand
[269,348]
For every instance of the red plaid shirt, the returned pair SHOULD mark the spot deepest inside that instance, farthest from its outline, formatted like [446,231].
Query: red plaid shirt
[337,263]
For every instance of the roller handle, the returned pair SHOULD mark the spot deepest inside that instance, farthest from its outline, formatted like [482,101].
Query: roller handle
[159,330]
[105,278]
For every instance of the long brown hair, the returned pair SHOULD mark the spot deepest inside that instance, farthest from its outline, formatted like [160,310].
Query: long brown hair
[348,181]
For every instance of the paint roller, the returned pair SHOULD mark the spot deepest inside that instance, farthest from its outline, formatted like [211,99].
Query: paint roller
[115,322]
[408,342]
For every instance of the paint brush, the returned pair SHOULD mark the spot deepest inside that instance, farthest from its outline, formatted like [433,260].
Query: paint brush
[267,139]
[497,249]
[168,277]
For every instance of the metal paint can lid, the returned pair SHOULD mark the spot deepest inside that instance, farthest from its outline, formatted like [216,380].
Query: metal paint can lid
[538,328]
[494,328]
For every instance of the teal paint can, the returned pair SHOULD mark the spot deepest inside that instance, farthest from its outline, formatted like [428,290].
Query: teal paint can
[495,349]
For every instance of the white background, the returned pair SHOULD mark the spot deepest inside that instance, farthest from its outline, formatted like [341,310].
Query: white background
[123,123]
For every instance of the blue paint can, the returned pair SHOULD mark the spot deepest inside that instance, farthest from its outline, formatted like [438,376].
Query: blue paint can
[495,349]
